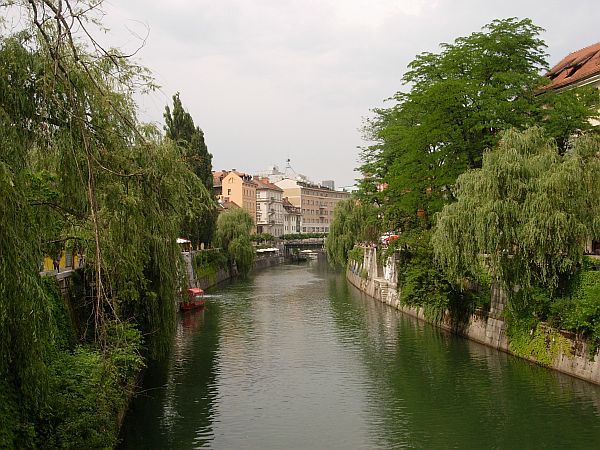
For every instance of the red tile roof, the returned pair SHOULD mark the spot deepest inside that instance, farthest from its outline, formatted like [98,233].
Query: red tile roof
[264,183]
[576,67]
[219,175]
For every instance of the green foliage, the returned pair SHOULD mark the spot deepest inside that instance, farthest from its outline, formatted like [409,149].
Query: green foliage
[77,169]
[208,262]
[352,222]
[199,225]
[212,257]
[243,253]
[529,210]
[262,237]
[422,283]
[233,236]
[180,128]
[14,431]
[89,391]
[579,309]
[459,102]
[357,255]
[529,339]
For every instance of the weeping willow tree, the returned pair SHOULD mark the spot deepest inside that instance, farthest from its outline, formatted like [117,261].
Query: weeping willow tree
[352,222]
[233,236]
[78,169]
[525,215]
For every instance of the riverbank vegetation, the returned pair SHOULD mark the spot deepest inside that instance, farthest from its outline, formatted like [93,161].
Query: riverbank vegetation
[474,123]
[79,171]
[207,263]
[233,237]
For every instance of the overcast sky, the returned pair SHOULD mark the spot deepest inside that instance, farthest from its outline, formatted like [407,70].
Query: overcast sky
[272,79]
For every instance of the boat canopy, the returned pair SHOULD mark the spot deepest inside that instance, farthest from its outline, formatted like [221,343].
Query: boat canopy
[195,291]
[267,250]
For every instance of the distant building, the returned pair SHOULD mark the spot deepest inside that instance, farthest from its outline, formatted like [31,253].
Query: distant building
[316,203]
[292,218]
[329,184]
[236,187]
[269,207]
[272,173]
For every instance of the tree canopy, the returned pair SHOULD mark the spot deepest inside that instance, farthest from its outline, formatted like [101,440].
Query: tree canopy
[458,103]
[526,214]
[79,171]
[352,222]
[180,128]
[233,236]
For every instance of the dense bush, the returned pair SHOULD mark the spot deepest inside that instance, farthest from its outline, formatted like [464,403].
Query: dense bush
[579,309]
[88,390]
[262,237]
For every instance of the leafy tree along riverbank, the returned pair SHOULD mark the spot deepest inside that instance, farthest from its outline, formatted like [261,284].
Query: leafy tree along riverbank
[478,170]
[79,171]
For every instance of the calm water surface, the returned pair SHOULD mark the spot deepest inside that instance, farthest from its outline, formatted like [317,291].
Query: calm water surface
[296,358]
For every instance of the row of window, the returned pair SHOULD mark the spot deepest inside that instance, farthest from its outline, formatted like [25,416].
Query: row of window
[315,212]
[330,194]
[308,220]
[318,203]
[315,229]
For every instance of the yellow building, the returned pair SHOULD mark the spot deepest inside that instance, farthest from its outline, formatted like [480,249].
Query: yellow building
[236,187]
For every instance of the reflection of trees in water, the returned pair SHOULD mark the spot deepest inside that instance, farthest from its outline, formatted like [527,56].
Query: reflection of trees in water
[434,389]
[179,389]
[413,385]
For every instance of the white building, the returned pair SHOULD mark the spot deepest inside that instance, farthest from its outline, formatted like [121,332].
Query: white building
[269,207]
[292,218]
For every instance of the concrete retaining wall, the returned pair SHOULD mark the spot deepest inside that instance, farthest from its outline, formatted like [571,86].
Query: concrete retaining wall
[261,262]
[487,329]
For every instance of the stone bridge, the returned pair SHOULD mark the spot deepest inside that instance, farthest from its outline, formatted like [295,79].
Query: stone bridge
[317,244]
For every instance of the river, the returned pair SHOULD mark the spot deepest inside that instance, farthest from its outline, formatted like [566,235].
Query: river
[296,358]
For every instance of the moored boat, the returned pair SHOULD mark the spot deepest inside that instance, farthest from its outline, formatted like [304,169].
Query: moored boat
[194,300]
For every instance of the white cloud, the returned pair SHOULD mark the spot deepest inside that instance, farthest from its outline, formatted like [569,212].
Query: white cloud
[268,79]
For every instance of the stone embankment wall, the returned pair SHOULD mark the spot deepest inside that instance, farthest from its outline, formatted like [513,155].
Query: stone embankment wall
[488,329]
[261,262]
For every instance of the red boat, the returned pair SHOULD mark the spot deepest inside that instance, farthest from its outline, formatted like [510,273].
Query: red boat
[194,300]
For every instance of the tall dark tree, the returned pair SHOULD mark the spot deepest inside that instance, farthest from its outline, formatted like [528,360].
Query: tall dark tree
[180,128]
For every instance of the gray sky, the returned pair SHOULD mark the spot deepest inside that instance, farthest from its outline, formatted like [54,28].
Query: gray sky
[272,79]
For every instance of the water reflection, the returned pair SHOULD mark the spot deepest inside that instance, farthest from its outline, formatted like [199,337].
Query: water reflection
[298,358]
[435,390]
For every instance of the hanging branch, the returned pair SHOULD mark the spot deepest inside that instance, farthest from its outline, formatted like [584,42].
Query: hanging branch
[66,18]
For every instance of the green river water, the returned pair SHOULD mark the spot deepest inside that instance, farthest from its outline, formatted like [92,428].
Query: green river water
[296,358]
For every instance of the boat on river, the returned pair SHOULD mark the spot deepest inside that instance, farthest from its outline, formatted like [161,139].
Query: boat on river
[194,300]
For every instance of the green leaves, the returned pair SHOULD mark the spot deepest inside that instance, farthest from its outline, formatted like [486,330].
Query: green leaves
[76,166]
[199,225]
[528,209]
[353,221]
[459,102]
[233,236]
